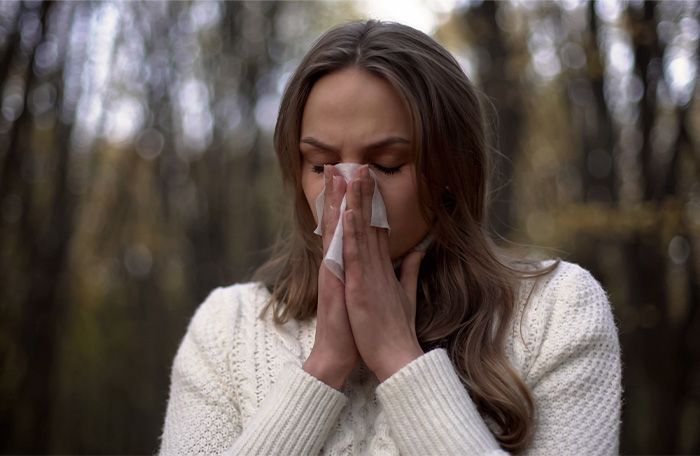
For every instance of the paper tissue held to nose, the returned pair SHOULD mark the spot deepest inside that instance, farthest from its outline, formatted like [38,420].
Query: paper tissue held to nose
[334,255]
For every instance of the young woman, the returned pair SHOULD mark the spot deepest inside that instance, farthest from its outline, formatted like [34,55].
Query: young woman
[423,338]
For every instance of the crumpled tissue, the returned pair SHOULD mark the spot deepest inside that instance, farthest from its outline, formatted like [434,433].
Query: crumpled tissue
[334,255]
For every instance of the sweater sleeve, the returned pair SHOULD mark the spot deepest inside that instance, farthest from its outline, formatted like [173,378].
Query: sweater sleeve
[294,419]
[203,416]
[430,412]
[575,381]
[576,372]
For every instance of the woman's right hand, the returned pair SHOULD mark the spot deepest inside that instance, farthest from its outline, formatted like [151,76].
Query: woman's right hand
[334,354]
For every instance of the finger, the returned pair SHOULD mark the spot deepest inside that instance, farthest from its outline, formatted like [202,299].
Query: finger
[354,197]
[334,192]
[378,238]
[364,215]
[354,193]
[383,248]
[353,245]
[409,274]
[328,216]
[367,194]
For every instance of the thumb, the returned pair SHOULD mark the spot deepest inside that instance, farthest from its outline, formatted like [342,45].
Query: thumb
[409,273]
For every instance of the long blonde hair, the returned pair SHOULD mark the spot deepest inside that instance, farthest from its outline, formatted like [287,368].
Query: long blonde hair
[467,284]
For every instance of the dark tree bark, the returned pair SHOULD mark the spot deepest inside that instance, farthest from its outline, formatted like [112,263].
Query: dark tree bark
[505,94]
[648,55]
[666,365]
[598,135]
[45,235]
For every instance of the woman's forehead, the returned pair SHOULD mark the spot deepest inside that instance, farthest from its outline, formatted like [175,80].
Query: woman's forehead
[355,101]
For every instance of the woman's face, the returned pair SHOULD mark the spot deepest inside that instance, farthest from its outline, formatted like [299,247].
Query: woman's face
[353,116]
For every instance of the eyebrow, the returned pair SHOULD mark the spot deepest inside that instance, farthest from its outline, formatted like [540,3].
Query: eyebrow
[391,140]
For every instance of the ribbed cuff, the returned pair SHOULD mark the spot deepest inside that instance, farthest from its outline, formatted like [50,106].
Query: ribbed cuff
[295,417]
[430,412]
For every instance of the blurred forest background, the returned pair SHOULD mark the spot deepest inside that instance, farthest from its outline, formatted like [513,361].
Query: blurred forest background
[137,174]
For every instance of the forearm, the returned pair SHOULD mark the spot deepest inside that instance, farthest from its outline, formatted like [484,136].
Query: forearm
[326,370]
[430,412]
[295,417]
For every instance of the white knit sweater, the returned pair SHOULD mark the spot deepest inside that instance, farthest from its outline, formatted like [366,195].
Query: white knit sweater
[237,384]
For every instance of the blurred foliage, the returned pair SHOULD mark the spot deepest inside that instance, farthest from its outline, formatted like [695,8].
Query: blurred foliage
[137,174]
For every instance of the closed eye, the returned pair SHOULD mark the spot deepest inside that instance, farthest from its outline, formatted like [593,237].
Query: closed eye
[318,169]
[387,170]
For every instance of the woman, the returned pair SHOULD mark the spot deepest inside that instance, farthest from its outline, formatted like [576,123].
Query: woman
[425,338]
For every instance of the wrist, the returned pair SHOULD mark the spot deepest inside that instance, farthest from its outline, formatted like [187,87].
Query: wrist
[326,371]
[397,362]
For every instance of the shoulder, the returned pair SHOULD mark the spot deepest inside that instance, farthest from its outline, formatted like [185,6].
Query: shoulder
[567,285]
[218,316]
[231,300]
[215,326]
[572,288]
[560,312]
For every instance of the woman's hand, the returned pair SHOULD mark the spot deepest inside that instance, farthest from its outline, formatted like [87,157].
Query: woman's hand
[381,309]
[334,354]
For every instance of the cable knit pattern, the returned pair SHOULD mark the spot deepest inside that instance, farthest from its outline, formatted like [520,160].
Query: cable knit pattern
[237,386]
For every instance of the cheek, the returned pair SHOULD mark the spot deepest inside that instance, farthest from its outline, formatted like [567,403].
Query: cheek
[401,198]
[403,213]
[402,210]
[312,186]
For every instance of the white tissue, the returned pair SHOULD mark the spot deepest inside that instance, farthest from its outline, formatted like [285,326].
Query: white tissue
[334,255]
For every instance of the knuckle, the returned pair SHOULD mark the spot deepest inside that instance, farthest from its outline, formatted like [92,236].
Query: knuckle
[353,287]
[330,214]
[360,235]
[328,201]
[351,257]
[350,252]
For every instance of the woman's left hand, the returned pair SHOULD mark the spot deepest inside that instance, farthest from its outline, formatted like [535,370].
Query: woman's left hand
[381,309]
